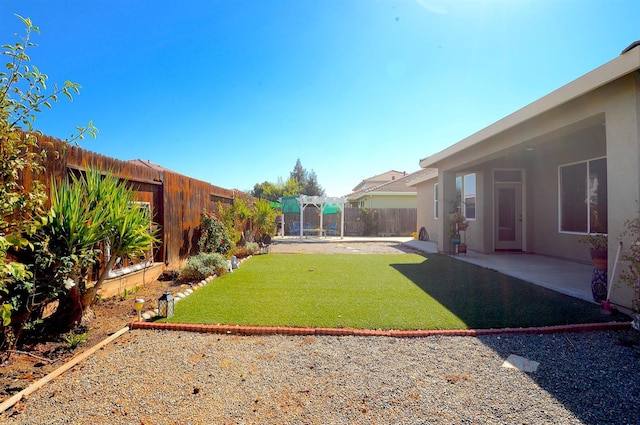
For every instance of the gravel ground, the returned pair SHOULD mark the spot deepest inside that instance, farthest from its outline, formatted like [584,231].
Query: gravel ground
[156,378]
[153,377]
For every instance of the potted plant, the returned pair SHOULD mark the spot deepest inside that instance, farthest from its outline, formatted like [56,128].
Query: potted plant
[599,249]
[457,218]
[458,222]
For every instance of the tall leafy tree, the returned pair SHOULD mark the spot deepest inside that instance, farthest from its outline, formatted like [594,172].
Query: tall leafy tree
[308,180]
[292,188]
[299,174]
[300,182]
[267,190]
[312,187]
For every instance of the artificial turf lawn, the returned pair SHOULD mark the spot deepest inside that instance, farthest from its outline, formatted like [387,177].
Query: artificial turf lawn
[377,291]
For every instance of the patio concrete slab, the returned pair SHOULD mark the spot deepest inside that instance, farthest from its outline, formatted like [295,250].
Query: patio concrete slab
[567,277]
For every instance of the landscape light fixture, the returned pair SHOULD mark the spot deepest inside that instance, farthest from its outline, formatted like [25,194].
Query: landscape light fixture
[139,304]
[166,304]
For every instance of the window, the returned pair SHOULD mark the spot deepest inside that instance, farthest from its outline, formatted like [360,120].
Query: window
[469,204]
[436,196]
[466,195]
[507,176]
[583,197]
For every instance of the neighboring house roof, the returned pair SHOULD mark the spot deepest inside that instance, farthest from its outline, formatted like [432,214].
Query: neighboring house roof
[390,175]
[627,63]
[399,186]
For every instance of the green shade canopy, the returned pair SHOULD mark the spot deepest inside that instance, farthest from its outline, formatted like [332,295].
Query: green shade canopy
[290,204]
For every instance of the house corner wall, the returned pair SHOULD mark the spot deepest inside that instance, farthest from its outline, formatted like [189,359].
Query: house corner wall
[425,209]
[623,173]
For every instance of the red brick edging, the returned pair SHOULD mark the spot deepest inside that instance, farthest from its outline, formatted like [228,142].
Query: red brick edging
[278,330]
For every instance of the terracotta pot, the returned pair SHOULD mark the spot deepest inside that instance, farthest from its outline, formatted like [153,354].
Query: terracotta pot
[600,258]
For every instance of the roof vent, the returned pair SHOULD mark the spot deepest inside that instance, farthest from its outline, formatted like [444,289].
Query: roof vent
[631,47]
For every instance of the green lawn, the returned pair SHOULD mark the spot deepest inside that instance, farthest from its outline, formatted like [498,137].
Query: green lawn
[396,291]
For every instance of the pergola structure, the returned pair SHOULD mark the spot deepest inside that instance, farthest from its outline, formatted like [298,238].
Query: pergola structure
[322,203]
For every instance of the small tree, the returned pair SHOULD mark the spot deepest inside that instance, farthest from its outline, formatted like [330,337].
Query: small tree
[23,92]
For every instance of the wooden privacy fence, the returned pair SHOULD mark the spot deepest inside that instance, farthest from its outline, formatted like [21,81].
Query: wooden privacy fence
[176,201]
[380,221]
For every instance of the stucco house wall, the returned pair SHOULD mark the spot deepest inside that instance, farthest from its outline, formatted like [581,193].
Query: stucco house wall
[595,116]
[425,207]
[389,201]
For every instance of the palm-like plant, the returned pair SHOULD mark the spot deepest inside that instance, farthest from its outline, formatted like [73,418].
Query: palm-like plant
[264,217]
[86,211]
[125,228]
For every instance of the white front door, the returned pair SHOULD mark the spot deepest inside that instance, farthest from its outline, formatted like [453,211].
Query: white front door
[508,216]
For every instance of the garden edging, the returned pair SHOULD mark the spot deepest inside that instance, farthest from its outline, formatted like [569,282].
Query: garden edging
[283,330]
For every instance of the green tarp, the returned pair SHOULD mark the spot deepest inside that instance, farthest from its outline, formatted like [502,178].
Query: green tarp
[290,205]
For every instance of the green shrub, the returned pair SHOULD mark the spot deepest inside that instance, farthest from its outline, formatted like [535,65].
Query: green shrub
[203,265]
[252,248]
[214,236]
[249,248]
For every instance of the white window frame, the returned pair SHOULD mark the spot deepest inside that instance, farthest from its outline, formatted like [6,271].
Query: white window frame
[118,268]
[467,194]
[560,167]
[436,201]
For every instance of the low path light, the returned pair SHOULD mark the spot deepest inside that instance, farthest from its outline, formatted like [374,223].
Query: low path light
[139,304]
[166,304]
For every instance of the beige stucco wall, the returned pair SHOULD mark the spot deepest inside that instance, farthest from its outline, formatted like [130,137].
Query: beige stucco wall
[602,123]
[623,165]
[425,208]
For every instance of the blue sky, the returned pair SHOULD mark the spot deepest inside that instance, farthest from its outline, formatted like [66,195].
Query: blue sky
[233,92]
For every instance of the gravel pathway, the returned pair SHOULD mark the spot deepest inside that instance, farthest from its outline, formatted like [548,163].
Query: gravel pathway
[153,377]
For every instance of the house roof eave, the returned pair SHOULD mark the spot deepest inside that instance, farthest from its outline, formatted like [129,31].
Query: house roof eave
[429,175]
